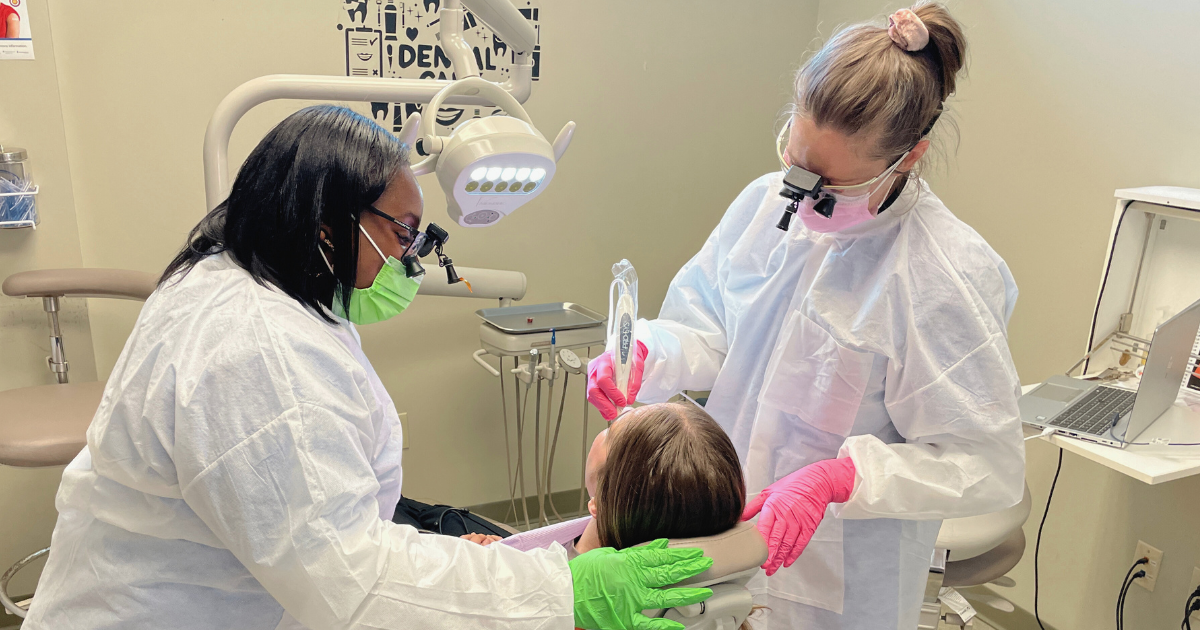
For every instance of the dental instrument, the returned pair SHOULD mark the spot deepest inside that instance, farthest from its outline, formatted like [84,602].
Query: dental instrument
[557,425]
[622,313]
[572,364]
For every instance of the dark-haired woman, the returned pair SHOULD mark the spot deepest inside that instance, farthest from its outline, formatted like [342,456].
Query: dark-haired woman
[244,462]
[857,357]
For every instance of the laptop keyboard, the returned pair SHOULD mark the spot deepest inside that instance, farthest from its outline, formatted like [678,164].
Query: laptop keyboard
[1095,412]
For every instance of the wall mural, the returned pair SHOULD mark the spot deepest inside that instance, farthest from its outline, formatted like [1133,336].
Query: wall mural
[401,40]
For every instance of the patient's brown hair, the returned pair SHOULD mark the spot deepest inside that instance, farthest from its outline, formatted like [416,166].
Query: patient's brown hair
[671,472]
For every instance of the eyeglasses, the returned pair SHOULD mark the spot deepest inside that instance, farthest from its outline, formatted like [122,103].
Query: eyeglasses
[421,244]
[416,243]
[852,190]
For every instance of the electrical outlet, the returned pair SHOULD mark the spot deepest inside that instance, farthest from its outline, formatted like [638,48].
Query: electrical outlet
[1151,568]
[404,428]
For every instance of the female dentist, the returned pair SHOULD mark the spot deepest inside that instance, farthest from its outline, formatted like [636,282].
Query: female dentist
[859,361]
[244,463]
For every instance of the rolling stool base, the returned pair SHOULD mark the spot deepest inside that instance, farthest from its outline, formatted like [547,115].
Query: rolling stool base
[18,609]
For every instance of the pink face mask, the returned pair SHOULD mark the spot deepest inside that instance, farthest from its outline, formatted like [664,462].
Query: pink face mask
[849,210]
[847,214]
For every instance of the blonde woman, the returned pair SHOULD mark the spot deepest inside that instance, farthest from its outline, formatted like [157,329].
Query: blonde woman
[857,357]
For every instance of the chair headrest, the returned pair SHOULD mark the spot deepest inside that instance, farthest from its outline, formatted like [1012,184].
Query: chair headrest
[739,549]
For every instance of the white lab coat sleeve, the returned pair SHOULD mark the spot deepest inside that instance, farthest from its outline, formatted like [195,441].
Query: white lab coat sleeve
[952,394]
[295,503]
[688,342]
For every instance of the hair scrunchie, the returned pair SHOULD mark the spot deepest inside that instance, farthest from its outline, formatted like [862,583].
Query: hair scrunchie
[907,30]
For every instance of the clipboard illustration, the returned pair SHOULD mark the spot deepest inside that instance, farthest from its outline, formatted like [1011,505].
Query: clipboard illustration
[364,52]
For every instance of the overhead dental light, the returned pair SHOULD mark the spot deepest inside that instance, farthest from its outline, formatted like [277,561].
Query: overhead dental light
[489,166]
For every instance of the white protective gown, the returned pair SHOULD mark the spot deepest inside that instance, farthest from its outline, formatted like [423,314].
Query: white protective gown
[886,343]
[241,472]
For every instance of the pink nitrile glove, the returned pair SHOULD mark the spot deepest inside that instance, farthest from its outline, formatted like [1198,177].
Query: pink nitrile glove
[602,389]
[793,507]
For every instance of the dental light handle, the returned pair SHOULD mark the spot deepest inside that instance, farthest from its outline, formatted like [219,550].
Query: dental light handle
[471,86]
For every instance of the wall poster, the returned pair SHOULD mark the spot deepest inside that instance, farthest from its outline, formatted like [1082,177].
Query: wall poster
[401,40]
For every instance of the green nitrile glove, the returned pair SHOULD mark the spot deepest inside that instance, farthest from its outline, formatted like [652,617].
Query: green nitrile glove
[612,587]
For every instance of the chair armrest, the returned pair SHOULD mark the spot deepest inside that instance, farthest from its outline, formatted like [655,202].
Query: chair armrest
[107,283]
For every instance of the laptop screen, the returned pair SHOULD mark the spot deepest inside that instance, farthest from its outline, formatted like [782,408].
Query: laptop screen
[1165,366]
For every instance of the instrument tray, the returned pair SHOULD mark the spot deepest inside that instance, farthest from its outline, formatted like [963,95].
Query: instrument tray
[536,318]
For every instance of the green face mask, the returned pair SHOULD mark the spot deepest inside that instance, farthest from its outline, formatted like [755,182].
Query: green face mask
[390,293]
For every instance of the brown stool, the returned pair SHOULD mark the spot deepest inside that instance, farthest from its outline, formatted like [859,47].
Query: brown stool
[46,425]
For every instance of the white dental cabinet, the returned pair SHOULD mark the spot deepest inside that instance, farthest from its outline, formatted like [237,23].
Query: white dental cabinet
[1152,272]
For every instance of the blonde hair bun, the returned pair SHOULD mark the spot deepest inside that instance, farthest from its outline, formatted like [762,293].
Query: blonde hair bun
[887,82]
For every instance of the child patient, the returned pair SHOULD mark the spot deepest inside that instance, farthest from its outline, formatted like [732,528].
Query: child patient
[659,471]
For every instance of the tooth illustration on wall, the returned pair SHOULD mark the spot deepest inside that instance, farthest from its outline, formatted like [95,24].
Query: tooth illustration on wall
[405,43]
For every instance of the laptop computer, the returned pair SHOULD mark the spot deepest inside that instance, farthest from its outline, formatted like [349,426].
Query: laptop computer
[1115,416]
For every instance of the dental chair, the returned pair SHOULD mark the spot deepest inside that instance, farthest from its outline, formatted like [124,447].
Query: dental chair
[974,551]
[969,552]
[46,425]
[737,554]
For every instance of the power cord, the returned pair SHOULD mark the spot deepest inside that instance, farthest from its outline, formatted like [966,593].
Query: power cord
[1192,605]
[1124,593]
[1130,577]
[1048,431]
[1037,551]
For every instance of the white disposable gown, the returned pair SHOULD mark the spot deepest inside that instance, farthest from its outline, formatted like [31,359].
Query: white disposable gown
[885,343]
[241,472]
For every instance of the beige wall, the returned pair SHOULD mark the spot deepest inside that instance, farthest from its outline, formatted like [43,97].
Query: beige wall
[1067,101]
[31,117]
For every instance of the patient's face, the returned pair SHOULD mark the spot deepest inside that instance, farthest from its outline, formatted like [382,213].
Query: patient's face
[595,460]
[599,454]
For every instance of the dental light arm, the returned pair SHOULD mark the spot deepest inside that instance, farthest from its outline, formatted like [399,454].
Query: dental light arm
[503,18]
[456,48]
[274,87]
[473,86]
[500,16]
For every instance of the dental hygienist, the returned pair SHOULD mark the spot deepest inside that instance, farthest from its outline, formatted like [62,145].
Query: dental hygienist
[244,464]
[857,356]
